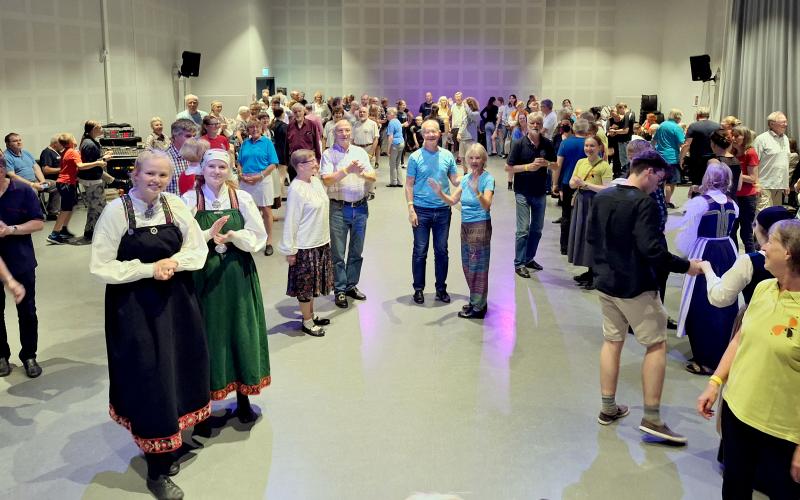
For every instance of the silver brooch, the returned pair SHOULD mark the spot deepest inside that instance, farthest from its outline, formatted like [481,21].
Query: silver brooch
[221,248]
[215,204]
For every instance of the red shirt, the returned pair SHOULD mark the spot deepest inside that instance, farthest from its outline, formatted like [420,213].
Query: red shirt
[748,160]
[219,142]
[69,166]
[305,137]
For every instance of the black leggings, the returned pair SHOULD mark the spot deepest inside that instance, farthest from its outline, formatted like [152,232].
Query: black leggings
[747,449]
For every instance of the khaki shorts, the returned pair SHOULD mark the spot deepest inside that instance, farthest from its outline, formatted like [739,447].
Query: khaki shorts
[644,313]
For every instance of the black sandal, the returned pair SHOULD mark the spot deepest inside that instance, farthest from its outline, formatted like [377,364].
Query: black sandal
[697,369]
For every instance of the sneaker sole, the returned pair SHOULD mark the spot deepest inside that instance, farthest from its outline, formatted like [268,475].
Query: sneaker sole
[55,242]
[614,419]
[665,437]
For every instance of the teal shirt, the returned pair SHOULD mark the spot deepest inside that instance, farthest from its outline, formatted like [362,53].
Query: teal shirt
[422,164]
[471,209]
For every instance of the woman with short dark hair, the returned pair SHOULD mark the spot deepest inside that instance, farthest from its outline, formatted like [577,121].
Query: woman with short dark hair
[91,179]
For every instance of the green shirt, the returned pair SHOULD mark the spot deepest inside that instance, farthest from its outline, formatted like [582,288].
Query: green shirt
[764,382]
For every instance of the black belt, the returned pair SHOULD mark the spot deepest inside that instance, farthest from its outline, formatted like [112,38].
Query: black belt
[363,145]
[353,204]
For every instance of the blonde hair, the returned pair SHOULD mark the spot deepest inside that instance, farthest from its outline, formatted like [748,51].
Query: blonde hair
[478,148]
[745,133]
[156,119]
[730,121]
[675,114]
[194,149]
[66,139]
[148,156]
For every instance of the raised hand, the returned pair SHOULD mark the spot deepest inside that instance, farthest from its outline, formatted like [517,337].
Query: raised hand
[216,227]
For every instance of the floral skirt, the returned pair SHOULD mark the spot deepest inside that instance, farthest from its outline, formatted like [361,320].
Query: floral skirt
[312,273]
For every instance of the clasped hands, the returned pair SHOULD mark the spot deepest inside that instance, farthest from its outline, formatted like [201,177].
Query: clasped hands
[215,231]
[697,267]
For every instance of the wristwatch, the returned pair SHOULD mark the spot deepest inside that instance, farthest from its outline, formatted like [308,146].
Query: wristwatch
[13,229]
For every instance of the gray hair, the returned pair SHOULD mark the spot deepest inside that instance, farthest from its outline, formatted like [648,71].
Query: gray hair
[183,125]
[717,177]
[391,111]
[787,233]
[775,116]
[675,114]
[190,96]
[581,126]
[703,112]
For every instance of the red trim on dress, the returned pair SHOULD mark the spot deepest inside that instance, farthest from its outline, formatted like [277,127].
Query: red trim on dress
[247,390]
[165,444]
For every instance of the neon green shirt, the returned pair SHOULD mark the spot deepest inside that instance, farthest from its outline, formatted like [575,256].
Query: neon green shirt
[764,382]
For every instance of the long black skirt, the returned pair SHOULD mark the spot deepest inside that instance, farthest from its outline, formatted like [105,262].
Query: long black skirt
[157,360]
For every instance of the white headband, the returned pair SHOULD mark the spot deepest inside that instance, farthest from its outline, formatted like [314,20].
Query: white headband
[216,154]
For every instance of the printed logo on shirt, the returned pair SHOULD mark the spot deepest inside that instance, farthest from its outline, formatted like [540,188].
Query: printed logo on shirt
[785,329]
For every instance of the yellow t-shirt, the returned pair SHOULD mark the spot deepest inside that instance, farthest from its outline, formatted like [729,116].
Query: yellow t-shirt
[764,382]
[601,174]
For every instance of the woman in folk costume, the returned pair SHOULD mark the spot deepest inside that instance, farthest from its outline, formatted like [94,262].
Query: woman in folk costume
[228,287]
[157,355]
[705,234]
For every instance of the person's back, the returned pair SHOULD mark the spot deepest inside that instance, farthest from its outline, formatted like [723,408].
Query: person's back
[668,140]
[700,133]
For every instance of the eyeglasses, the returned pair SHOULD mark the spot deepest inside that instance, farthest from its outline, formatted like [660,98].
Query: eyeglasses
[213,124]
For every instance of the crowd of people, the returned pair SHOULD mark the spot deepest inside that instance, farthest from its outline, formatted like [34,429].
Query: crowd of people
[185,319]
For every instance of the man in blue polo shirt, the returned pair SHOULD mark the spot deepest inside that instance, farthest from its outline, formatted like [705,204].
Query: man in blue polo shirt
[426,210]
[21,165]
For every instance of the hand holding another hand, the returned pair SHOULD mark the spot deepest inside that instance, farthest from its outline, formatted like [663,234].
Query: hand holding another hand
[164,269]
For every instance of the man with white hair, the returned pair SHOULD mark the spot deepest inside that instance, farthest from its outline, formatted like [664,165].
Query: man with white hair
[772,148]
[191,112]
[347,174]
[458,118]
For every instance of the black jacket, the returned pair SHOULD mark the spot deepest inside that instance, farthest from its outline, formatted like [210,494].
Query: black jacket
[627,246]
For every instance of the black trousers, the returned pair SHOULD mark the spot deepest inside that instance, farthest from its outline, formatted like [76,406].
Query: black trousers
[746,449]
[566,215]
[28,322]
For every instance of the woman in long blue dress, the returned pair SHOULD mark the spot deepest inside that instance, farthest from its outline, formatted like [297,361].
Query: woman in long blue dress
[705,234]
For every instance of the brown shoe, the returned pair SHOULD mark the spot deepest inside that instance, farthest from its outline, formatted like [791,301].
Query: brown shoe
[662,431]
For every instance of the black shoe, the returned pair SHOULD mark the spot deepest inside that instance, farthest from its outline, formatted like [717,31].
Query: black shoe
[466,307]
[671,205]
[164,489]
[355,293]
[672,324]
[473,313]
[558,221]
[32,368]
[419,297]
[589,286]
[443,296]
[510,186]
[65,232]
[268,250]
[522,272]
[80,242]
[174,469]
[56,238]
[582,278]
[532,264]
[315,331]
[321,321]
[52,216]
[563,251]
[5,368]
[246,415]
[341,300]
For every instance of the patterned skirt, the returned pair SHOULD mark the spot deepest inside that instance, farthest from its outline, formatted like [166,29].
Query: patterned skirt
[312,273]
[476,240]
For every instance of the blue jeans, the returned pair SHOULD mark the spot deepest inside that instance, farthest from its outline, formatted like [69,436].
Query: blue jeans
[489,129]
[500,142]
[530,221]
[436,221]
[347,221]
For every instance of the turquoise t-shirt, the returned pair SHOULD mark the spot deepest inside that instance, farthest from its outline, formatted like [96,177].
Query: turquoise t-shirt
[471,209]
[422,164]
[395,129]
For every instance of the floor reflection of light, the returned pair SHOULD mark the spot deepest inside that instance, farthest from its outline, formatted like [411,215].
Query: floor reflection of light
[499,339]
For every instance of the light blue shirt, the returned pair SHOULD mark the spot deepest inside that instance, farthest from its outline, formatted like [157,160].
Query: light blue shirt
[197,117]
[21,165]
[257,156]
[471,208]
[669,138]
[395,130]
[422,165]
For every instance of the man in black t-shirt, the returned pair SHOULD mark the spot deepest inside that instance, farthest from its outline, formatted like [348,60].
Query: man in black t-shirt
[50,161]
[619,135]
[698,145]
[529,160]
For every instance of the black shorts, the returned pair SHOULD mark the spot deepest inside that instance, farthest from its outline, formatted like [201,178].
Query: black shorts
[69,196]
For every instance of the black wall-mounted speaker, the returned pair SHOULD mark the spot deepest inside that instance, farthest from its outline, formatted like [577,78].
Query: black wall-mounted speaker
[190,66]
[701,68]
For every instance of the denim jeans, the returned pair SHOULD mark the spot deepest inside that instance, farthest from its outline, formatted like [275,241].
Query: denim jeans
[489,128]
[499,143]
[530,221]
[436,221]
[744,224]
[347,222]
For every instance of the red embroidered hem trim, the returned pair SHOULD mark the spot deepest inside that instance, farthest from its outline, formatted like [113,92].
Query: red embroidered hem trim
[165,444]
[247,390]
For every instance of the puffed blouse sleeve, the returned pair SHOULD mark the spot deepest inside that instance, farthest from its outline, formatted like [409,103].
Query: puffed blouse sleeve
[193,252]
[113,224]
[253,238]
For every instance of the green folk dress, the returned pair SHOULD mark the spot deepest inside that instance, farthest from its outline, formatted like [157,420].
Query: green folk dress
[230,299]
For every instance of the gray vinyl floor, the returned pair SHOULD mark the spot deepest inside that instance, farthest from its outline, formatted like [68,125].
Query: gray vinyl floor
[396,399]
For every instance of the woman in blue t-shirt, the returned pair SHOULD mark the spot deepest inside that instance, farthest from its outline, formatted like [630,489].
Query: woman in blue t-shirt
[475,194]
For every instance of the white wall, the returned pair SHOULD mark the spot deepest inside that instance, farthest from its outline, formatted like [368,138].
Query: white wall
[50,72]
[234,45]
